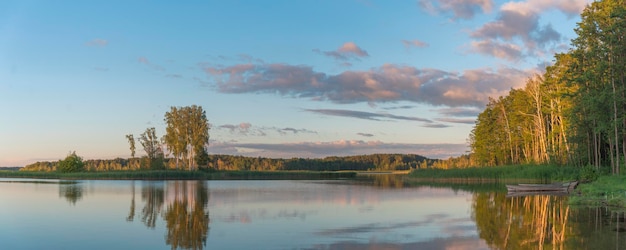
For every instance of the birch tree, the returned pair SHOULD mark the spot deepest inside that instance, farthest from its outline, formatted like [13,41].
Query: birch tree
[150,143]
[131,141]
[187,133]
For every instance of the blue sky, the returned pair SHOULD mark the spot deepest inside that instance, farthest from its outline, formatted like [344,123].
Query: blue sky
[276,78]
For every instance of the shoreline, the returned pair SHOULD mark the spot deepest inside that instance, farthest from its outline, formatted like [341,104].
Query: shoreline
[593,190]
[183,175]
[604,191]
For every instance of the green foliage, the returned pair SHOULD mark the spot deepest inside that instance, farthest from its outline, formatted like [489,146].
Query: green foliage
[606,191]
[376,162]
[71,163]
[588,173]
[157,163]
[574,113]
[150,143]
[154,158]
[187,133]
[131,141]
[39,166]
[202,158]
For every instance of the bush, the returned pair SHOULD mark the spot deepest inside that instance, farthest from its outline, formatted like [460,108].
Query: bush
[71,163]
[588,174]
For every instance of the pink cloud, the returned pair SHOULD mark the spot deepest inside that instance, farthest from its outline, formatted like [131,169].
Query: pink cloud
[507,51]
[519,22]
[388,83]
[569,7]
[145,61]
[414,43]
[352,48]
[347,51]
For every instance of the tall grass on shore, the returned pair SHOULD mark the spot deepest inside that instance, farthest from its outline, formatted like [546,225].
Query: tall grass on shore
[605,191]
[545,173]
[181,175]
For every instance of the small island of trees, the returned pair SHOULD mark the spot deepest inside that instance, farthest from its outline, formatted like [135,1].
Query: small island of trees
[186,141]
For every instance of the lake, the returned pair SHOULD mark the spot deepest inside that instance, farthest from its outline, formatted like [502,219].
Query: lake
[371,213]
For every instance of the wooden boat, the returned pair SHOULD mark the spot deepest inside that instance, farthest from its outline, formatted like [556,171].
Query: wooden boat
[553,187]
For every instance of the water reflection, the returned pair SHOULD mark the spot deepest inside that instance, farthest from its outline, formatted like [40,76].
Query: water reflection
[603,228]
[131,213]
[187,216]
[153,197]
[529,222]
[71,192]
[387,180]
[182,205]
[381,212]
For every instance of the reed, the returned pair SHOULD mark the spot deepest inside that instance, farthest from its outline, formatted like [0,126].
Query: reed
[544,173]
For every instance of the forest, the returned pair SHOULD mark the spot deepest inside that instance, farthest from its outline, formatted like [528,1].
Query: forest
[375,162]
[572,114]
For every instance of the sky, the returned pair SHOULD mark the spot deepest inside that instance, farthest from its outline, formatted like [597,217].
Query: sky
[276,78]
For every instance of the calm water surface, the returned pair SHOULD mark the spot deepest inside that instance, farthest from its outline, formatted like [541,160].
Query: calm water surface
[342,214]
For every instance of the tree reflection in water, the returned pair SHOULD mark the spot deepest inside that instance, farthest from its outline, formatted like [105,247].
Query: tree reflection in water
[71,192]
[389,181]
[602,227]
[131,213]
[186,212]
[382,180]
[153,197]
[528,222]
[187,216]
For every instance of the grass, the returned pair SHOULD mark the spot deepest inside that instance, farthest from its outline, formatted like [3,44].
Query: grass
[541,173]
[181,175]
[605,191]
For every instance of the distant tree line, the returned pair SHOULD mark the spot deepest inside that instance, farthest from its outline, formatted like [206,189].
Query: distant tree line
[10,168]
[375,162]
